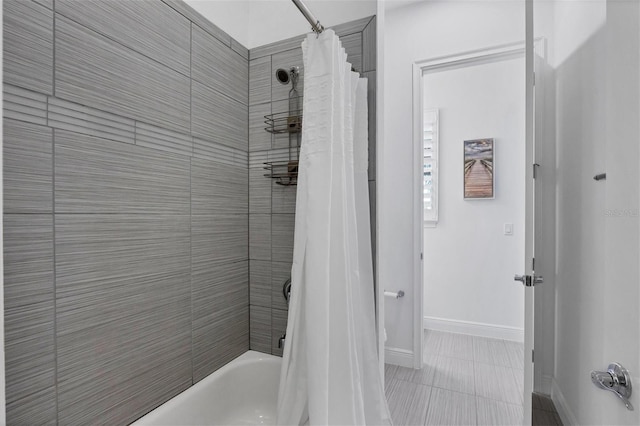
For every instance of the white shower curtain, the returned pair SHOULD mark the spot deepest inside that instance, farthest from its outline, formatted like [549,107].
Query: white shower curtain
[330,373]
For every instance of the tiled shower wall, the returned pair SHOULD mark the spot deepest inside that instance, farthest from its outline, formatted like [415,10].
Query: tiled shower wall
[272,206]
[125,206]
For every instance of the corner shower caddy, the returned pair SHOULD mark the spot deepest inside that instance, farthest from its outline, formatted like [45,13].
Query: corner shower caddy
[288,122]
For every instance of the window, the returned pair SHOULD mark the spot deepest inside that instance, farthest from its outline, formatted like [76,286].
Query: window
[430,166]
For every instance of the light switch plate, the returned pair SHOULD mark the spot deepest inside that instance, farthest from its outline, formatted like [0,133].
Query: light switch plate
[508,229]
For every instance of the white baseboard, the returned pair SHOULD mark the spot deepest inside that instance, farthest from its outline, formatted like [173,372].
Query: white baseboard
[565,413]
[474,328]
[542,382]
[397,356]
[546,384]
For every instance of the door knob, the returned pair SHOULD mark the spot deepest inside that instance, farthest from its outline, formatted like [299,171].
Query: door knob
[529,280]
[617,380]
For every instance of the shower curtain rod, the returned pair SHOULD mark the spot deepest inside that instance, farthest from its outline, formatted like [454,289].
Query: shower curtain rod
[316,26]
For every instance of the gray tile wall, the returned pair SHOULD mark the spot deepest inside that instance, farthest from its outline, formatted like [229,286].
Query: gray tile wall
[143,246]
[126,206]
[272,206]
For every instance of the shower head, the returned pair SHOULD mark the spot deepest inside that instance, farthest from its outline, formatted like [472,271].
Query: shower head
[284,76]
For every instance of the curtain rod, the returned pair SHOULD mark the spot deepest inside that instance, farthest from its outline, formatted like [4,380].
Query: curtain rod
[316,26]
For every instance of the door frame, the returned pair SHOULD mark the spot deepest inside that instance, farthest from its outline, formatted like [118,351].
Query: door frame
[442,63]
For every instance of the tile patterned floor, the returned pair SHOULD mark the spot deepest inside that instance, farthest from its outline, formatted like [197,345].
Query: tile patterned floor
[544,412]
[466,380]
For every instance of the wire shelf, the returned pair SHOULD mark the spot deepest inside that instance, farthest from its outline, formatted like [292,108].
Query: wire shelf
[284,122]
[285,172]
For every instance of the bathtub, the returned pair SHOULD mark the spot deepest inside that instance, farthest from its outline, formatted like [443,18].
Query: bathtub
[243,392]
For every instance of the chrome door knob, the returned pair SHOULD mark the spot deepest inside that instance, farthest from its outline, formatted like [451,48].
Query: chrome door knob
[528,280]
[617,380]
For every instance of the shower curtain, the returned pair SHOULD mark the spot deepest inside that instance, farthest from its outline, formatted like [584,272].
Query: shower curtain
[330,373]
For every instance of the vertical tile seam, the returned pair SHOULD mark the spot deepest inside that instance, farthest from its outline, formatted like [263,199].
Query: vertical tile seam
[191,21]
[55,289]
[429,405]
[362,64]
[222,41]
[191,325]
[191,269]
[248,205]
[53,219]
[53,65]
[191,196]
[191,86]
[271,351]
[273,141]
[473,369]
[271,135]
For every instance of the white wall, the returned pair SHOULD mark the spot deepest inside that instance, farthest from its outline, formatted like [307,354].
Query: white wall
[258,22]
[468,261]
[415,32]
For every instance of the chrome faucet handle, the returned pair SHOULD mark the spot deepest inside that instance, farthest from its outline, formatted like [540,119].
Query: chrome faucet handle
[617,380]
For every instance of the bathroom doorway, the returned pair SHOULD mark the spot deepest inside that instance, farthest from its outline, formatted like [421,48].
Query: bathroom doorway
[470,150]
[473,141]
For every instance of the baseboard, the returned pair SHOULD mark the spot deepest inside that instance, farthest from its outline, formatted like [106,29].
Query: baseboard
[565,413]
[542,383]
[397,356]
[474,328]
[546,384]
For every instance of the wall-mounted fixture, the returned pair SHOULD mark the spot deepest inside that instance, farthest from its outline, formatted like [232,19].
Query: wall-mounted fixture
[286,122]
[617,380]
[394,294]
[286,290]
[601,176]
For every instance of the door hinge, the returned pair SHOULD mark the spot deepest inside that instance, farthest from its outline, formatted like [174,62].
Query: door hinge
[535,170]
[533,264]
[532,356]
[534,78]
[421,256]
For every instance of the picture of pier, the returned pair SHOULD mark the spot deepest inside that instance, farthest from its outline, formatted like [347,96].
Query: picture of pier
[478,169]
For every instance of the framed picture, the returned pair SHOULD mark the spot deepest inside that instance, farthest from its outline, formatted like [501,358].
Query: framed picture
[479,182]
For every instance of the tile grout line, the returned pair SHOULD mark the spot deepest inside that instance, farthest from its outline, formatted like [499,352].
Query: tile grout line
[53,216]
[248,206]
[191,268]
[475,388]
[191,85]
[475,395]
[53,38]
[429,407]
[191,326]
[55,289]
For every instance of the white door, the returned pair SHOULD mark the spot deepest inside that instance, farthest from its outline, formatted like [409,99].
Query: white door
[620,313]
[616,288]
[528,277]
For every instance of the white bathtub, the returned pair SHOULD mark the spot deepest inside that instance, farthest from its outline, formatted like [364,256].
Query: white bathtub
[243,392]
